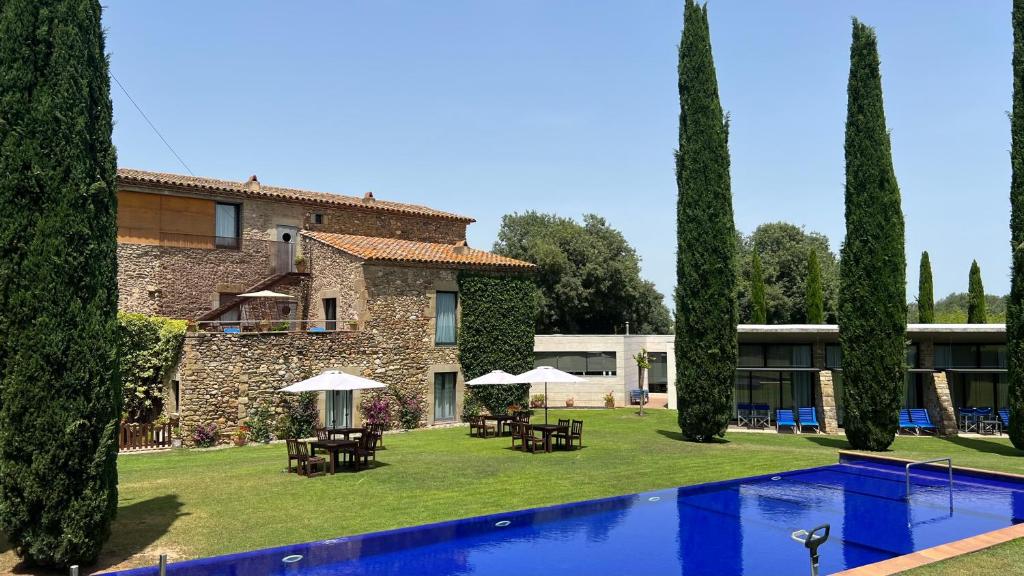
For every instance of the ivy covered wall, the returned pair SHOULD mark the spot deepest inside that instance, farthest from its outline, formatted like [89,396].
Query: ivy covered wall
[496,333]
[150,346]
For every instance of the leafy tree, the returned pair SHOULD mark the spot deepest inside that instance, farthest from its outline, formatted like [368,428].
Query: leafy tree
[706,312]
[782,249]
[760,308]
[1015,306]
[814,297]
[975,297]
[60,396]
[589,276]
[925,296]
[873,308]
[952,309]
[150,346]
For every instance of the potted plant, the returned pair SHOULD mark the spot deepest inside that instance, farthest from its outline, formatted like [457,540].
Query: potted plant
[537,401]
[176,437]
[241,436]
[609,400]
[300,263]
[513,408]
[570,402]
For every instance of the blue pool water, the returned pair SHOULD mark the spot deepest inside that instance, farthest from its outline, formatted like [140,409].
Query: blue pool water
[739,527]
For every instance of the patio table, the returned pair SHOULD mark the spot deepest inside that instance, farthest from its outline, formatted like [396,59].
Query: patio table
[989,427]
[332,447]
[547,430]
[345,432]
[502,421]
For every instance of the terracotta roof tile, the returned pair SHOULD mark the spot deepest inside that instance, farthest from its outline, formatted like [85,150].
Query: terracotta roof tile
[252,188]
[374,249]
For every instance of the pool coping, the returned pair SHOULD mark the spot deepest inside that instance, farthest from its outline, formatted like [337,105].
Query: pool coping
[943,551]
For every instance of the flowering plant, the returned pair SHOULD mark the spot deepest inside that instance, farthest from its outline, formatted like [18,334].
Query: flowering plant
[205,435]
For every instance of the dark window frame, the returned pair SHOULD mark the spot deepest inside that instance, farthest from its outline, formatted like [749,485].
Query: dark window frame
[228,242]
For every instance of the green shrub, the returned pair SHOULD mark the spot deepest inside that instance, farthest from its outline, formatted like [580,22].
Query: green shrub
[410,410]
[1015,304]
[150,346]
[496,333]
[260,422]
[300,417]
[471,406]
[205,435]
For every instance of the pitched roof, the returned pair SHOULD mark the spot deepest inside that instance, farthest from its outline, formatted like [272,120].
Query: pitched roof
[254,189]
[374,249]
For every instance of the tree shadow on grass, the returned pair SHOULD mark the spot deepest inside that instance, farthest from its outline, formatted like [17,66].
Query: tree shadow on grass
[986,446]
[830,442]
[138,525]
[677,435]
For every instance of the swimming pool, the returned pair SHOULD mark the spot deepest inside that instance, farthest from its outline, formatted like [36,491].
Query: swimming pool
[736,527]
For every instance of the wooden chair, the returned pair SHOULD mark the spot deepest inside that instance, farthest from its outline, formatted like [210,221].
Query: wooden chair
[378,431]
[522,417]
[322,434]
[364,450]
[479,425]
[309,465]
[562,434]
[293,454]
[530,439]
[576,433]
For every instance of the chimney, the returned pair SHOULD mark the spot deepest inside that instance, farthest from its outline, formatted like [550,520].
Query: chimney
[368,198]
[252,183]
[461,247]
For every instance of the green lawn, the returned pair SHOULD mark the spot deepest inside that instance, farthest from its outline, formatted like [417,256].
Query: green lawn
[198,503]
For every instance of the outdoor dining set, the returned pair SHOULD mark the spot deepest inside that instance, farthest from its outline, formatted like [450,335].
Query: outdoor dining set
[526,436]
[983,420]
[338,446]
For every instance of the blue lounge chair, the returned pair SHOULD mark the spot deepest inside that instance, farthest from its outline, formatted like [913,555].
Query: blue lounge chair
[785,418]
[922,420]
[906,423]
[809,418]
[1004,417]
[317,329]
[232,330]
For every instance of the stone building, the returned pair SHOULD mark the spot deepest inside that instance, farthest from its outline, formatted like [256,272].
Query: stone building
[363,285]
[949,366]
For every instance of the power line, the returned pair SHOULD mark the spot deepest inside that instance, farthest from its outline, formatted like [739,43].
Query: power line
[150,122]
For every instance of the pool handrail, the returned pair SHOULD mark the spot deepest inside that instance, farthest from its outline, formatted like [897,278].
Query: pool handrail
[947,460]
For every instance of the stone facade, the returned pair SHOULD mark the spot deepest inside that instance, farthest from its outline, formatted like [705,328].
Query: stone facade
[222,375]
[939,403]
[335,275]
[825,400]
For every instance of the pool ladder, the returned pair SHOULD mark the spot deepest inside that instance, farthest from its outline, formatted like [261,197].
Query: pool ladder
[949,464]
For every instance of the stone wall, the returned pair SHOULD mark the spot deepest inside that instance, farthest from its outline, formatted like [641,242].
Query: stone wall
[335,274]
[363,223]
[939,403]
[825,400]
[222,375]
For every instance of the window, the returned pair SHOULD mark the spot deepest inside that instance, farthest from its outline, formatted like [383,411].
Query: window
[775,356]
[970,356]
[579,363]
[657,375]
[231,315]
[339,409]
[330,313]
[227,225]
[445,312]
[444,396]
[833,357]
[318,218]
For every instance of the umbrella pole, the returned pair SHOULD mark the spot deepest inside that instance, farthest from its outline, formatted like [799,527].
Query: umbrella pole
[545,403]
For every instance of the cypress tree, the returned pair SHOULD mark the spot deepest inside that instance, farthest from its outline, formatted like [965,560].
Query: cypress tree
[872,306]
[60,398]
[925,295]
[814,296]
[759,314]
[1015,305]
[976,297]
[706,311]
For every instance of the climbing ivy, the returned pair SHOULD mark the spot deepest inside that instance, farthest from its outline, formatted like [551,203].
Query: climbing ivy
[496,333]
[150,346]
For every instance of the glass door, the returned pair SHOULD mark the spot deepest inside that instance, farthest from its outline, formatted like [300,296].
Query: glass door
[339,409]
[444,396]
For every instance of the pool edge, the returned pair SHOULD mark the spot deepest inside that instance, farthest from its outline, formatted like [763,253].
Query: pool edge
[943,551]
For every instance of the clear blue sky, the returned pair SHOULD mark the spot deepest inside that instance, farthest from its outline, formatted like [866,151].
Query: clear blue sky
[486,107]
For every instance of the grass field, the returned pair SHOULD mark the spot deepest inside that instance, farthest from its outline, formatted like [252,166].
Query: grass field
[203,502]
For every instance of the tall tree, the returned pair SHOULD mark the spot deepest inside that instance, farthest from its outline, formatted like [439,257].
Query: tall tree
[872,306]
[782,249]
[814,297]
[759,308]
[925,294]
[60,398]
[976,297]
[589,276]
[706,311]
[1015,304]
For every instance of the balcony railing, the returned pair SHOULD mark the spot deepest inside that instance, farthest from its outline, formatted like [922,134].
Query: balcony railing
[274,326]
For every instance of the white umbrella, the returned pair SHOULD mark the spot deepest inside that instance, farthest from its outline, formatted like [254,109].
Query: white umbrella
[495,377]
[547,374]
[333,380]
[264,294]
